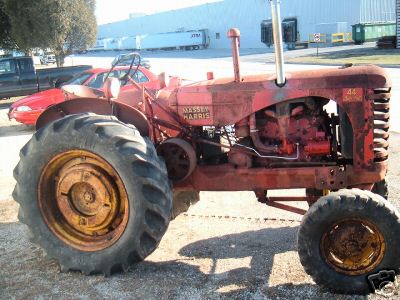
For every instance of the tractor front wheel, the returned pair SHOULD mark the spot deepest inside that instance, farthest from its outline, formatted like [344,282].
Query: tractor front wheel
[347,236]
[93,192]
[381,188]
[182,200]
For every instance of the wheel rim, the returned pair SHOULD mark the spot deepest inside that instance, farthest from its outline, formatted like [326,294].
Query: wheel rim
[177,161]
[353,246]
[179,157]
[83,200]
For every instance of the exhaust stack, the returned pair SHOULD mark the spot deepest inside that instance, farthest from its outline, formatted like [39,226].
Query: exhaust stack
[277,30]
[234,35]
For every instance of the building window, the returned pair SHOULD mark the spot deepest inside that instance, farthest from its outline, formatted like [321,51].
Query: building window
[217,36]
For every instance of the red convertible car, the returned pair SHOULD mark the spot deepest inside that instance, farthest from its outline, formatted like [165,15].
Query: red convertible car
[28,109]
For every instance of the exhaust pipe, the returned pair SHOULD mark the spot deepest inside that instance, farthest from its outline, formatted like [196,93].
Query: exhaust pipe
[234,35]
[278,45]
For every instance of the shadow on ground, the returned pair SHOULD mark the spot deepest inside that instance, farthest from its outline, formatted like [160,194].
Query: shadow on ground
[15,130]
[360,52]
[371,55]
[25,273]
[4,105]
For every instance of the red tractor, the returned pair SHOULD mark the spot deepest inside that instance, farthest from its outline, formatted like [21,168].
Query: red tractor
[98,189]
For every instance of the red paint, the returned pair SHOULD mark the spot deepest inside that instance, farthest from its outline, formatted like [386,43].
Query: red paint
[318,148]
[283,137]
[40,101]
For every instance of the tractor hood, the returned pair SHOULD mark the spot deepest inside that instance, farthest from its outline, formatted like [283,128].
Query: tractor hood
[225,102]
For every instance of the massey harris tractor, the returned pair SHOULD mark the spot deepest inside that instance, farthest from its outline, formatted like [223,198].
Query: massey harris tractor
[99,181]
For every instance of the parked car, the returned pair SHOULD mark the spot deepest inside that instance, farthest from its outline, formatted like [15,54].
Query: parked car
[48,59]
[18,76]
[28,109]
[125,60]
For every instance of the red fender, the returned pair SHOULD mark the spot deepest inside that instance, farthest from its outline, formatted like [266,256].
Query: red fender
[122,112]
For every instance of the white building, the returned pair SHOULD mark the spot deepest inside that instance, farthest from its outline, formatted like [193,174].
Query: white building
[398,23]
[312,16]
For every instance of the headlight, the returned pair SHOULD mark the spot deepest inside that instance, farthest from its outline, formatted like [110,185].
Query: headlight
[23,108]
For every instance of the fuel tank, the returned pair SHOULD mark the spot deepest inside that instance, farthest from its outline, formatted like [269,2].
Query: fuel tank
[224,102]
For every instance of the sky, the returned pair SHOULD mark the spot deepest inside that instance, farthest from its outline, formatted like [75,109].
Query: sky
[108,11]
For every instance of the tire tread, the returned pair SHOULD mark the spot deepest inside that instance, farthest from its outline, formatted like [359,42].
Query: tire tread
[116,134]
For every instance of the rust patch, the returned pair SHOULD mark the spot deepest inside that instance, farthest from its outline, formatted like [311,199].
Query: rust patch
[123,112]
[83,201]
[353,246]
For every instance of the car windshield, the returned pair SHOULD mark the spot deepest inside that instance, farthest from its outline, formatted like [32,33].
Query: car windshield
[126,60]
[138,76]
[97,81]
[79,79]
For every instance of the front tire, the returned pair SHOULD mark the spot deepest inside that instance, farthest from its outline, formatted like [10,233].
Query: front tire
[182,200]
[347,236]
[93,192]
[381,188]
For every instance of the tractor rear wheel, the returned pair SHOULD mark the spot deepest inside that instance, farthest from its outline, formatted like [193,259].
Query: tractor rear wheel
[347,236]
[93,192]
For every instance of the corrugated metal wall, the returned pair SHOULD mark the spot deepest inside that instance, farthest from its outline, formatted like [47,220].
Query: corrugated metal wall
[398,23]
[312,12]
[216,17]
[247,15]
[377,11]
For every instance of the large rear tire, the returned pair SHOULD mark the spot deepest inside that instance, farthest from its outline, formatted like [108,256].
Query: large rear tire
[93,192]
[347,236]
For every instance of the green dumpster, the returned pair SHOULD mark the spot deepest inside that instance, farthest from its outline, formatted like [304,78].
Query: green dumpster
[366,32]
[358,34]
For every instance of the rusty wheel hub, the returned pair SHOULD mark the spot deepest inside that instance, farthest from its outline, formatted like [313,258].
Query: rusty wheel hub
[83,200]
[353,246]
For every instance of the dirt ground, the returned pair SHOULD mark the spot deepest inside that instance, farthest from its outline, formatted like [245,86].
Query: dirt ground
[227,246]
[204,255]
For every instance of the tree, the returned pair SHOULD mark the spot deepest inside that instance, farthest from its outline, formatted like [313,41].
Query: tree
[27,23]
[59,25]
[83,27]
[6,42]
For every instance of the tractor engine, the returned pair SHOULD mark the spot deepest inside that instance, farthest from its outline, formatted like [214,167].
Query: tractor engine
[298,131]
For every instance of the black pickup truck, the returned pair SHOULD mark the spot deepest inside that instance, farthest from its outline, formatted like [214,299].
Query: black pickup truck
[18,76]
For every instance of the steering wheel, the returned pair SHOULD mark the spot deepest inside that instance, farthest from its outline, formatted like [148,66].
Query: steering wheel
[135,56]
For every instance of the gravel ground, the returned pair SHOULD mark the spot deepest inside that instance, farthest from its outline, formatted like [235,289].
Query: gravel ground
[203,255]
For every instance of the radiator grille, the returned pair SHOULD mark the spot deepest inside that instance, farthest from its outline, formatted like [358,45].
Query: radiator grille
[381,123]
